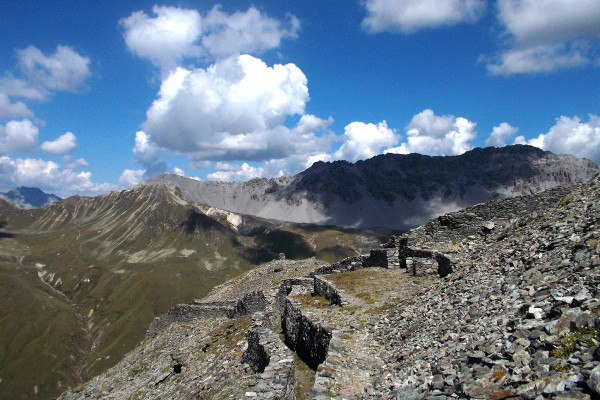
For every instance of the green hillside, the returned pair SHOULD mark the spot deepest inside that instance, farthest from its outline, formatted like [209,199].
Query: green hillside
[82,279]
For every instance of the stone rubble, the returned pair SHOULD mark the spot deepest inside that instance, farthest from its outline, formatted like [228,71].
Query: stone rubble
[518,318]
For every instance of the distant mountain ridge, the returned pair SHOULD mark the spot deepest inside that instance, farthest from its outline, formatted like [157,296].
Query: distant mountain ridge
[391,190]
[29,197]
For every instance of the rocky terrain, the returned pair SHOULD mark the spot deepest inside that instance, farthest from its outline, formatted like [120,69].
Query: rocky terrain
[500,300]
[81,280]
[392,191]
[29,197]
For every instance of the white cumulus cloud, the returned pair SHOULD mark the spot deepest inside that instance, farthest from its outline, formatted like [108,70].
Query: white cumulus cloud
[550,21]
[11,110]
[234,110]
[500,135]
[40,74]
[545,36]
[131,177]
[18,136]
[172,34]
[362,141]
[68,163]
[178,171]
[244,32]
[411,15]
[541,58]
[432,134]
[48,176]
[316,158]
[64,144]
[237,173]
[146,154]
[166,38]
[570,136]
[145,150]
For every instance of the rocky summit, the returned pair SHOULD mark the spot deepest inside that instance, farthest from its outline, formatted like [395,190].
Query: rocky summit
[29,197]
[395,191]
[499,300]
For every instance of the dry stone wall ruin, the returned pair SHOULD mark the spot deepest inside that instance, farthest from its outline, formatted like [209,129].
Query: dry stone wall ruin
[303,333]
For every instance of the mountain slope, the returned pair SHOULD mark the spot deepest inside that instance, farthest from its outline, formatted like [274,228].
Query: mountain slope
[391,190]
[517,317]
[84,277]
[29,197]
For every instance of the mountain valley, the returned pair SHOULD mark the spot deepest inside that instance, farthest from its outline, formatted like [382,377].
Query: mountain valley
[82,279]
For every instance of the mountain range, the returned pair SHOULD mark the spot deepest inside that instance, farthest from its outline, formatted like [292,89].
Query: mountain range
[82,279]
[29,197]
[391,190]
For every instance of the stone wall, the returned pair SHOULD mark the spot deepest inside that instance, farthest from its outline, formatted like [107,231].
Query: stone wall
[187,313]
[268,356]
[347,264]
[196,310]
[391,248]
[418,266]
[286,287]
[421,262]
[307,337]
[325,375]
[326,288]
[394,254]
[377,258]
[250,303]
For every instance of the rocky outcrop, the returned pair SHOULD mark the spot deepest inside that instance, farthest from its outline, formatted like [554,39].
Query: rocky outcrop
[519,318]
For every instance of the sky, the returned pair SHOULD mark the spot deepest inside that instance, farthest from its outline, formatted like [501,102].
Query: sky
[101,95]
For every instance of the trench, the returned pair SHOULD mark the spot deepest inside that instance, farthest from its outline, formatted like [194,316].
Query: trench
[307,338]
[303,333]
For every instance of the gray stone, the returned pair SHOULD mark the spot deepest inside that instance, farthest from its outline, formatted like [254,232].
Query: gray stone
[489,225]
[593,381]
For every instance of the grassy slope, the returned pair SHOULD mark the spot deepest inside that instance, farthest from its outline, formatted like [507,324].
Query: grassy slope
[122,259]
[38,327]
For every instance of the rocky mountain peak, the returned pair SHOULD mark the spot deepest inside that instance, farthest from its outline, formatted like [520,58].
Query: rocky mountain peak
[393,191]
[29,197]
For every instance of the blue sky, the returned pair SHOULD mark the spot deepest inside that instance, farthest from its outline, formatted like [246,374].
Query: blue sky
[97,96]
